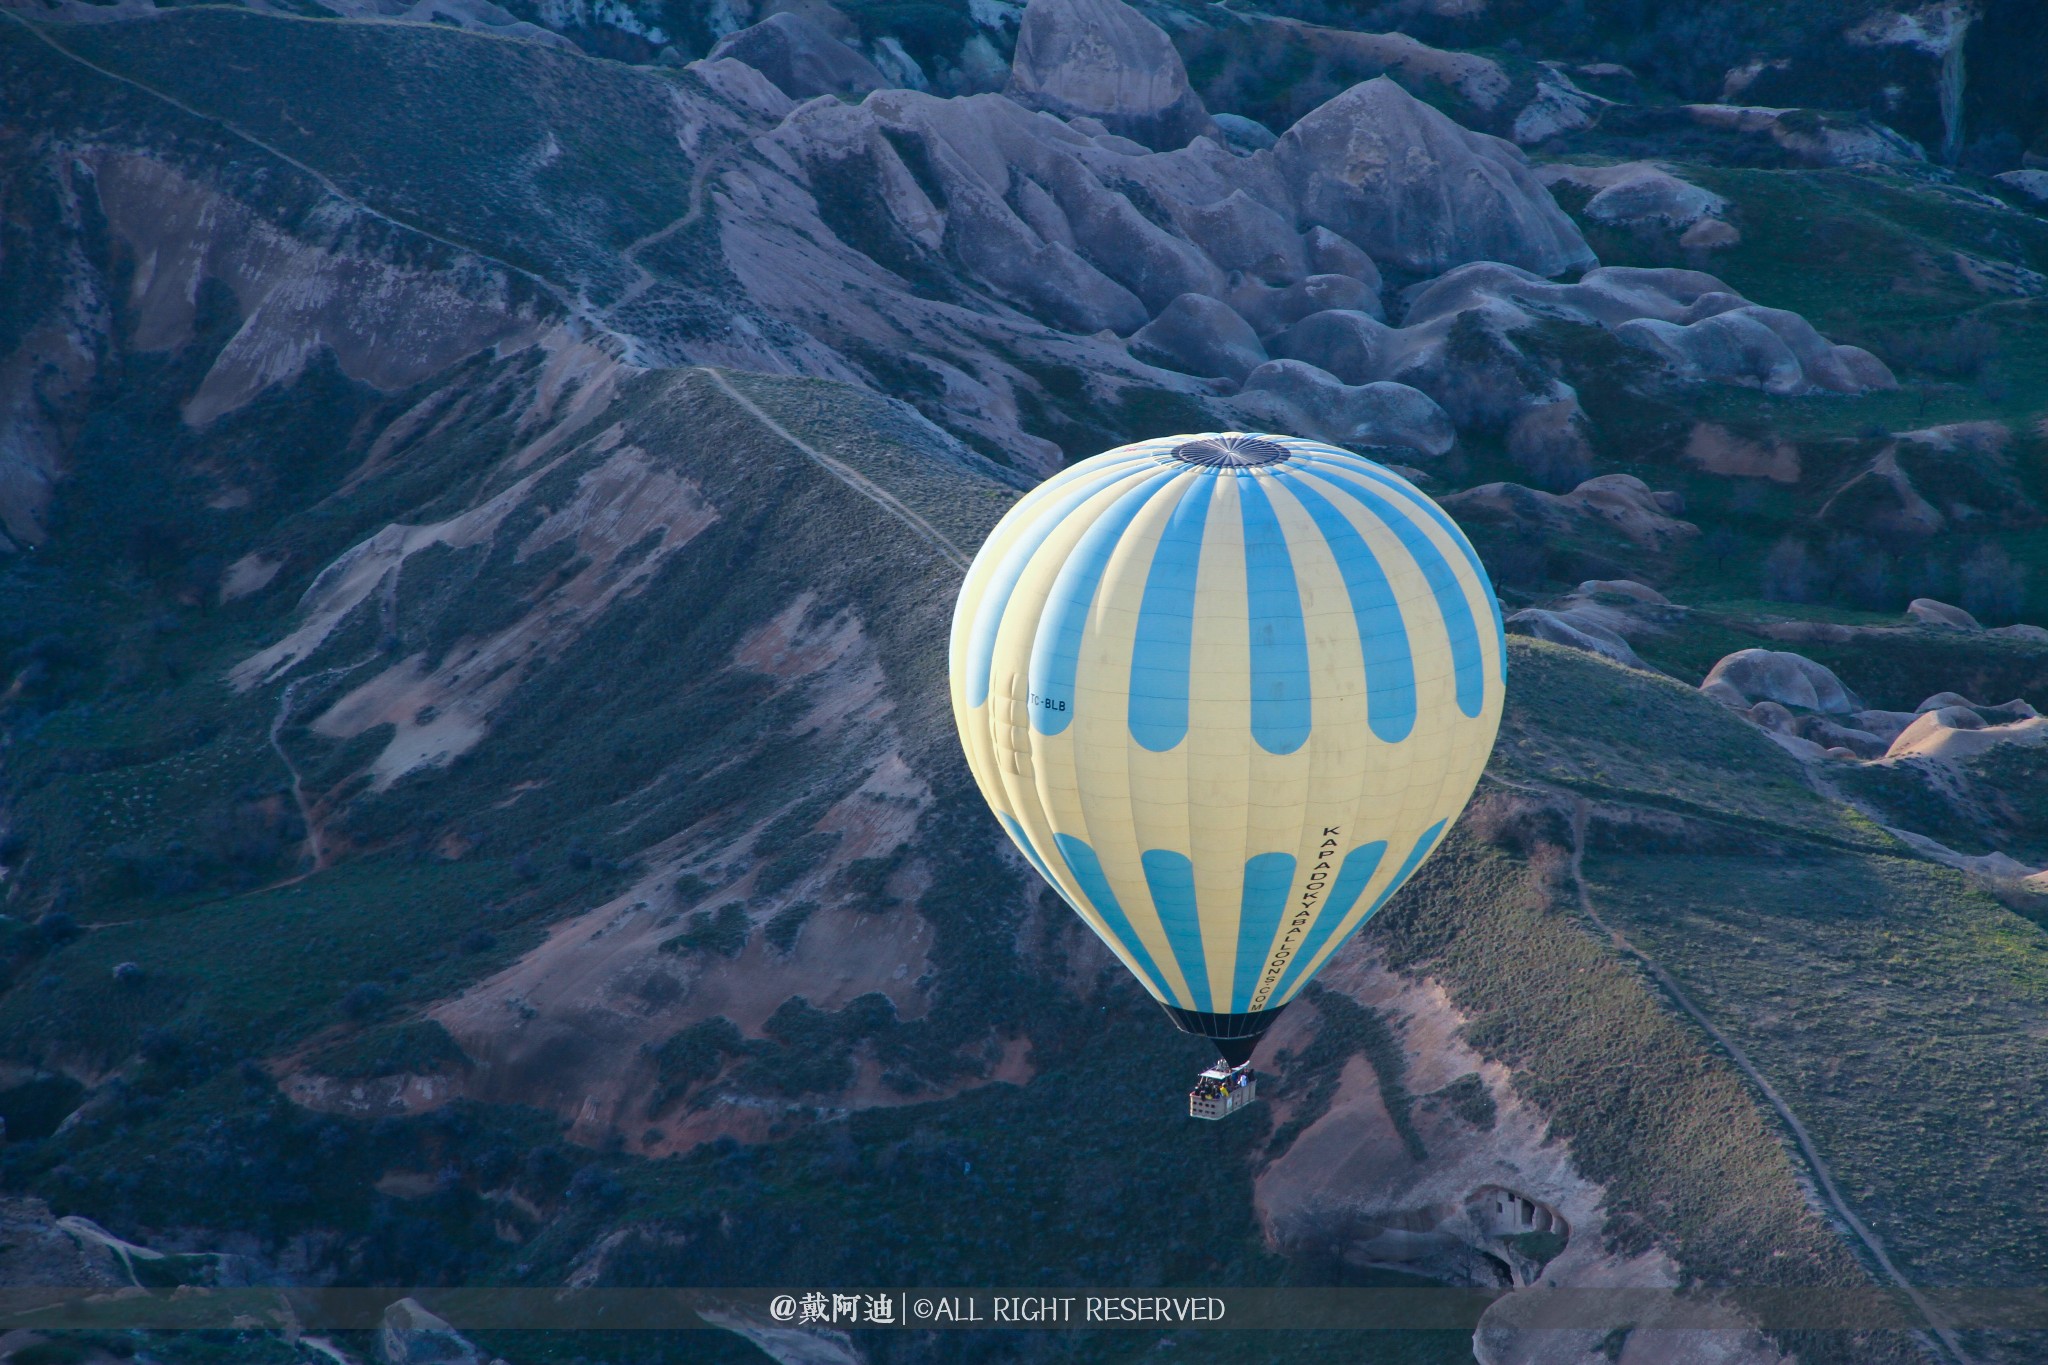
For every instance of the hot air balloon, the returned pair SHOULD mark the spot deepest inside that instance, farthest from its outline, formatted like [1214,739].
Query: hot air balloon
[1226,692]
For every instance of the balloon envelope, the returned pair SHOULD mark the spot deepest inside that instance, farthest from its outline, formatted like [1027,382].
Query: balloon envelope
[1226,693]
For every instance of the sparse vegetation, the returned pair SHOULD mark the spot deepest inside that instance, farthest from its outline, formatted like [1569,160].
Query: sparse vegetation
[1884,997]
[693,1056]
[1469,1099]
[1687,1160]
[1585,724]
[787,926]
[723,931]
[414,1047]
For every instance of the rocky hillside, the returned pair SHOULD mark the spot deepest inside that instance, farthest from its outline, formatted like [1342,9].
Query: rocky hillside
[481,495]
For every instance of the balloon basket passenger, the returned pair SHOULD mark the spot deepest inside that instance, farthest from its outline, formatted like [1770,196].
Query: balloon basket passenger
[1222,1090]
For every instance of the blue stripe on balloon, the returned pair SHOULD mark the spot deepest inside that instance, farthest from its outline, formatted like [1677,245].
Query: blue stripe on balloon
[1171,878]
[1281,716]
[1268,878]
[1056,650]
[995,596]
[1382,635]
[1400,879]
[1087,869]
[1166,625]
[1352,875]
[1463,635]
[1429,508]
[1030,850]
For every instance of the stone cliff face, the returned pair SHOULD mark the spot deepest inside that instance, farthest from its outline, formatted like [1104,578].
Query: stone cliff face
[1103,60]
[326,289]
[1420,193]
[951,251]
[1468,1186]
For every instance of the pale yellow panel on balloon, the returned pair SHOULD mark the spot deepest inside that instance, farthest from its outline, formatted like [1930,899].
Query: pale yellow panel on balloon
[1215,796]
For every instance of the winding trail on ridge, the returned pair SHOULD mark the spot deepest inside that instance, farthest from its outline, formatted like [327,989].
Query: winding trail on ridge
[553,290]
[700,190]
[846,474]
[1824,1178]
[698,200]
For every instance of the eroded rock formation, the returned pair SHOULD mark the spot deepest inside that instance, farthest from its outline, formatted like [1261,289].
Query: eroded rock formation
[1749,676]
[1418,192]
[802,59]
[1102,59]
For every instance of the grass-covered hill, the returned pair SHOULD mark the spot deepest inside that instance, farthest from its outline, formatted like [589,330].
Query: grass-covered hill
[478,804]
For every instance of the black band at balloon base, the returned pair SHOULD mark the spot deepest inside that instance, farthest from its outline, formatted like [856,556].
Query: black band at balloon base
[1235,1035]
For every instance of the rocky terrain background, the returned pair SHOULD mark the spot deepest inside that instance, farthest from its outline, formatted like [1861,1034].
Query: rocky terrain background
[481,493]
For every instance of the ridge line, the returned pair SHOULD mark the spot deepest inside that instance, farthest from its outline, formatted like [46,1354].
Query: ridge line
[1823,1176]
[846,474]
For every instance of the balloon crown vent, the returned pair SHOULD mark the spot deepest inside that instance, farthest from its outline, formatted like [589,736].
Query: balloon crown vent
[1230,452]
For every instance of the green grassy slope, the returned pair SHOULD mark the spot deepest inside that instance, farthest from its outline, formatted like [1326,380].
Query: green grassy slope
[1888,1000]
[1898,1011]
[104,811]
[1872,259]
[1579,722]
[1650,1109]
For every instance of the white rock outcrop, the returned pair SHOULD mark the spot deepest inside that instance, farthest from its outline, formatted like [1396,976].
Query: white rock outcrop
[1637,194]
[971,229]
[1480,81]
[1558,106]
[1419,192]
[1270,308]
[1813,138]
[1244,134]
[802,59]
[1881,499]
[1290,395]
[1355,346]
[1710,234]
[1929,612]
[1103,59]
[1201,336]
[1624,587]
[1618,503]
[1956,733]
[1602,616]
[1490,385]
[1749,676]
[1564,629]
[2030,184]
[1766,348]
[411,1335]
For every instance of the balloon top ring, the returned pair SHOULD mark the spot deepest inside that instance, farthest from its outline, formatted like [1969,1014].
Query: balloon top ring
[1230,451]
